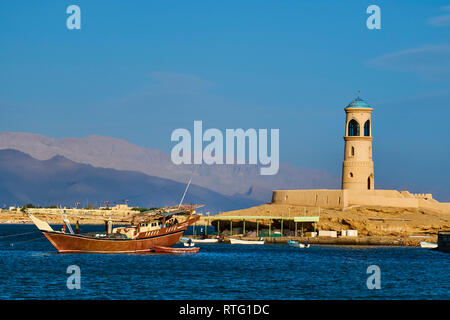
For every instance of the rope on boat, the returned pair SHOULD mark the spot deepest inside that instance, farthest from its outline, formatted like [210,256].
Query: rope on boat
[35,239]
[17,234]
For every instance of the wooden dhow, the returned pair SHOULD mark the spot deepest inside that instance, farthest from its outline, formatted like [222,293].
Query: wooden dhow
[145,231]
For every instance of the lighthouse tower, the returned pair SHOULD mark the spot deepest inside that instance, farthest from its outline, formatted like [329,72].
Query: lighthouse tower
[357,169]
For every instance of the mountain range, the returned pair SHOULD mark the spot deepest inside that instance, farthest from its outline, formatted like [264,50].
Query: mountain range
[241,183]
[59,181]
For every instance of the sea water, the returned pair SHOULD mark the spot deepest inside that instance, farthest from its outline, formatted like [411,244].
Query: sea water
[30,268]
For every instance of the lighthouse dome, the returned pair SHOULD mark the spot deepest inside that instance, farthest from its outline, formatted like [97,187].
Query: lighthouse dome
[358,103]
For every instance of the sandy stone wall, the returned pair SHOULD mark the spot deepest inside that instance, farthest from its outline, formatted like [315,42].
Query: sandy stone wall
[326,198]
[385,198]
[315,198]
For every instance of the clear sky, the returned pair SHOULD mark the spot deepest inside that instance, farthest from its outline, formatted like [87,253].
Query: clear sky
[137,70]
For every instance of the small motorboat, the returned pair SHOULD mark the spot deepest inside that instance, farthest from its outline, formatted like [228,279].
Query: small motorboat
[205,240]
[428,245]
[161,249]
[297,244]
[189,244]
[238,241]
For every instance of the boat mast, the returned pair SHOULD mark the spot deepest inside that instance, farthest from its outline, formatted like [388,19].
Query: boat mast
[185,191]
[65,220]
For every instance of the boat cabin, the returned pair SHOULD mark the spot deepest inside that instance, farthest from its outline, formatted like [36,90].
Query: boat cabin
[149,226]
[145,226]
[130,232]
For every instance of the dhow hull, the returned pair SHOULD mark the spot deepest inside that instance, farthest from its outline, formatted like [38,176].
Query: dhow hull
[145,242]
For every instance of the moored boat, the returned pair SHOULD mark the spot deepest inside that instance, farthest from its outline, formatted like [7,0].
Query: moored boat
[205,240]
[428,245]
[162,249]
[159,227]
[297,244]
[238,241]
[188,244]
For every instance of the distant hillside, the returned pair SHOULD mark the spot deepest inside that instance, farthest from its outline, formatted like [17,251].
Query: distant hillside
[121,155]
[58,180]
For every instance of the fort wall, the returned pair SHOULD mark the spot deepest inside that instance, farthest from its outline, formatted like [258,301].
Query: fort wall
[327,198]
[315,198]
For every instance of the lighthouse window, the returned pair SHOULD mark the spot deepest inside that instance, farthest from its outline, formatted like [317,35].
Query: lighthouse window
[353,151]
[353,128]
[367,128]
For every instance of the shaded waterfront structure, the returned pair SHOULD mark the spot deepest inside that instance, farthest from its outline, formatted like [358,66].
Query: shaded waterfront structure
[298,224]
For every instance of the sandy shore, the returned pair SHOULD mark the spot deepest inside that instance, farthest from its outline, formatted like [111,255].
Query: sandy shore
[376,226]
[369,221]
[8,217]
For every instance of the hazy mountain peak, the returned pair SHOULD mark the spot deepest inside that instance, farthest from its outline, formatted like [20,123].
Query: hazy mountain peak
[60,181]
[106,152]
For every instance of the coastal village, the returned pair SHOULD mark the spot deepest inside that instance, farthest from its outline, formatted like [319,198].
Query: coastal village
[357,214]
[225,159]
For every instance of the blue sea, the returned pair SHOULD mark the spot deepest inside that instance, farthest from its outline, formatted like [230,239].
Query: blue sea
[30,268]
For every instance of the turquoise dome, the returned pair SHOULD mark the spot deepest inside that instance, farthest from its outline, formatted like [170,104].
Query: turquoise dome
[358,103]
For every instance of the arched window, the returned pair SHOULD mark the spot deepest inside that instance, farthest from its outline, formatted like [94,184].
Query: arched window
[367,128]
[353,151]
[353,128]
[368,183]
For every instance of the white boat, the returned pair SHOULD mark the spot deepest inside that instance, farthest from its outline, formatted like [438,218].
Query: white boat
[237,241]
[296,244]
[428,245]
[187,244]
[205,240]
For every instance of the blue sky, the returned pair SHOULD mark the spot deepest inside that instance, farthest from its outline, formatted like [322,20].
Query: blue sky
[138,70]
